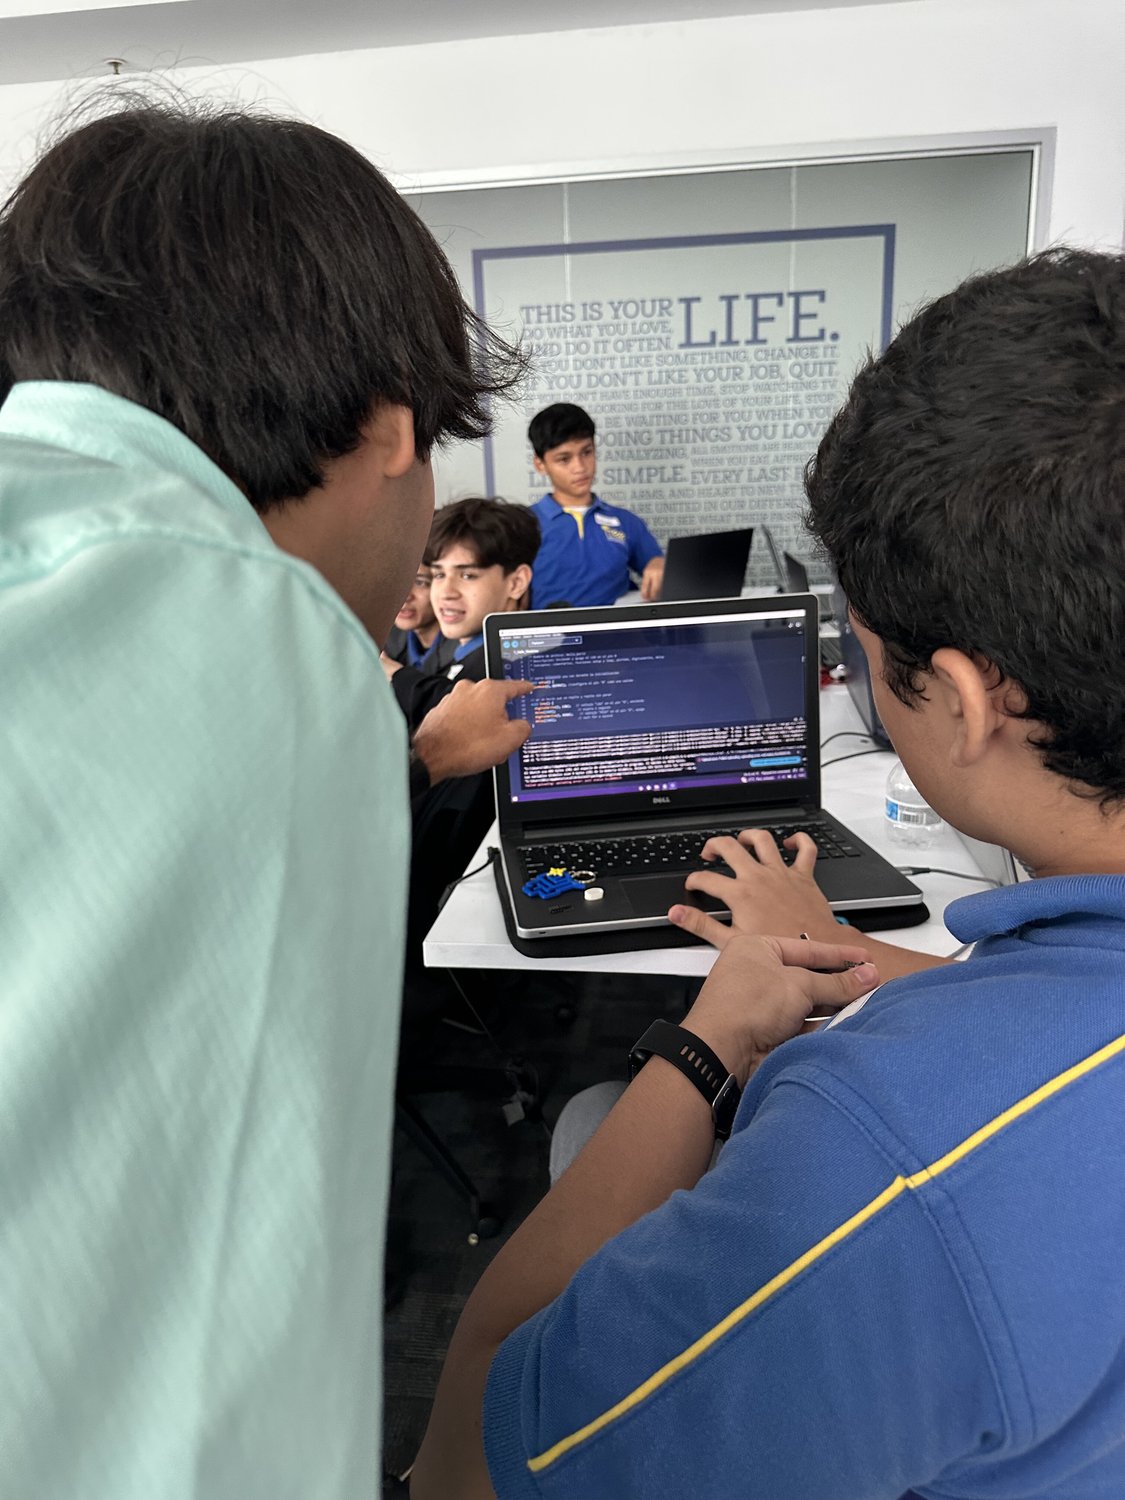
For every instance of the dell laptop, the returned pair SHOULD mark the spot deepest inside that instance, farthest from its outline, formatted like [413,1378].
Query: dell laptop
[655,727]
[711,566]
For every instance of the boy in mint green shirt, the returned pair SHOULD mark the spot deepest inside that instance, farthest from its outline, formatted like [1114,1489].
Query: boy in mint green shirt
[226,349]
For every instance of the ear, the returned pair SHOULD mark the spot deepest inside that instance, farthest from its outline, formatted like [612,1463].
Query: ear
[518,582]
[391,433]
[540,467]
[973,693]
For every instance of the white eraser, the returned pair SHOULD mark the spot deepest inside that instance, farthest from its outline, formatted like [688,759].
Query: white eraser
[593,893]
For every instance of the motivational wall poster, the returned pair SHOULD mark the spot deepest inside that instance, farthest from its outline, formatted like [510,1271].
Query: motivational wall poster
[710,363]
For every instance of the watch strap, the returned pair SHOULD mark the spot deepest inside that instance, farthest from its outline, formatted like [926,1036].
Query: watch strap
[696,1061]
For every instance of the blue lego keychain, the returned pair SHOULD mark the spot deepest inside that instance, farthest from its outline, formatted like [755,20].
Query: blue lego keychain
[557,881]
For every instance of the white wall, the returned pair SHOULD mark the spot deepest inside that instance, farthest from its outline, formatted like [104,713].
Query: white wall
[506,106]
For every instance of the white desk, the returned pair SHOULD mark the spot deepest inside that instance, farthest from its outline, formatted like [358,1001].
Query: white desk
[469,932]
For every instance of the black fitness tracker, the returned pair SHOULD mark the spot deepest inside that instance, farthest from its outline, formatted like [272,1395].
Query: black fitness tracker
[695,1060]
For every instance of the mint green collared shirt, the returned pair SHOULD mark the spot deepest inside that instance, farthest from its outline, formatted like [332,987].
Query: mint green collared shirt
[203,862]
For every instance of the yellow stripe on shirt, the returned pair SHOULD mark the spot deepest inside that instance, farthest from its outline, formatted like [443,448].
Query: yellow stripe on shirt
[579,514]
[889,1194]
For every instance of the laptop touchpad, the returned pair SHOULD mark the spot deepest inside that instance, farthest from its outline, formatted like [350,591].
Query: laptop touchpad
[652,894]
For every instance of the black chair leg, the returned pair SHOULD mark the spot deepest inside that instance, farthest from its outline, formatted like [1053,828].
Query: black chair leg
[485,1220]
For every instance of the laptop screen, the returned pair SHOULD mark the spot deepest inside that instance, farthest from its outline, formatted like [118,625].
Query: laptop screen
[675,708]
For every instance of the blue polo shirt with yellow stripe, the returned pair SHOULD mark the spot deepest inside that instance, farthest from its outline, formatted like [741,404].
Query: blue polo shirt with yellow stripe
[904,1275]
[588,559]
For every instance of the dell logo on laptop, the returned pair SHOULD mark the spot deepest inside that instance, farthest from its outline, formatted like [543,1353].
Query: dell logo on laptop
[661,801]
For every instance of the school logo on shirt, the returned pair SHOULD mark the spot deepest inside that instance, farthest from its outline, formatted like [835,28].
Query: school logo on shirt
[611,528]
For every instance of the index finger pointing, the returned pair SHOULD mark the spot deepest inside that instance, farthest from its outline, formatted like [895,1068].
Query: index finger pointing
[516,689]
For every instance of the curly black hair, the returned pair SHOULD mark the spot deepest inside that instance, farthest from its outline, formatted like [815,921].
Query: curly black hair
[971,493]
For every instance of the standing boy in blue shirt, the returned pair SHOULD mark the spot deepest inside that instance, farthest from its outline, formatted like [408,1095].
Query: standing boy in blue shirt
[590,550]
[903,1277]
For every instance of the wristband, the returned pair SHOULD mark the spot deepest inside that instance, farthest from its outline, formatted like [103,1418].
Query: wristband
[695,1060]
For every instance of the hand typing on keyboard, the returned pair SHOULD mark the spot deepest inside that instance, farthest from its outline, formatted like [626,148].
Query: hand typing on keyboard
[679,849]
[772,891]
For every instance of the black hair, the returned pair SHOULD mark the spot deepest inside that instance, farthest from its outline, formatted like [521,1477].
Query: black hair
[971,493]
[500,533]
[255,281]
[558,424]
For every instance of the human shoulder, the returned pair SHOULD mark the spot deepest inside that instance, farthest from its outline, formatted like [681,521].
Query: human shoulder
[171,538]
[709,1313]
[547,508]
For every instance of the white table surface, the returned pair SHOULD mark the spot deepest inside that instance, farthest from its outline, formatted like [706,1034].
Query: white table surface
[469,932]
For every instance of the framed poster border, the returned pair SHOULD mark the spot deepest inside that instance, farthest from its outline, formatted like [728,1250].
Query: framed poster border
[883,232]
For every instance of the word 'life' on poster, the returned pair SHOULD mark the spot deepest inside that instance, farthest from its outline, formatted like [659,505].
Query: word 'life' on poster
[711,364]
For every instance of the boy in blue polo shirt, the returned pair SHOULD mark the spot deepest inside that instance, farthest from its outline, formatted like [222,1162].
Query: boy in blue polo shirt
[903,1276]
[590,550]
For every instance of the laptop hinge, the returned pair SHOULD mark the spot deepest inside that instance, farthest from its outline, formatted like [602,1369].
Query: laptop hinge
[645,822]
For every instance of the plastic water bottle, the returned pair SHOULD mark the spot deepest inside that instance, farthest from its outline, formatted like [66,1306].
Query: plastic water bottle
[911,822]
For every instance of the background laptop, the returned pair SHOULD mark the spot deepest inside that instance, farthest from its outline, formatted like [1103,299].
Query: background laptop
[711,566]
[858,675]
[796,574]
[775,558]
[797,582]
[656,726]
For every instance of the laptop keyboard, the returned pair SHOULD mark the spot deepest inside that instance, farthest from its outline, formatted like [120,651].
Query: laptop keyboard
[679,850]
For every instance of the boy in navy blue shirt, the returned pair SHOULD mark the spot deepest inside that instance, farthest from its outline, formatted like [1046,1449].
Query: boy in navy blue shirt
[479,563]
[479,554]
[416,639]
[903,1276]
[590,550]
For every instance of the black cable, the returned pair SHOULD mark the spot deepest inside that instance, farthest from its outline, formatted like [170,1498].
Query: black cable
[956,874]
[836,759]
[453,884]
[468,875]
[846,734]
